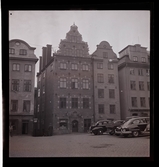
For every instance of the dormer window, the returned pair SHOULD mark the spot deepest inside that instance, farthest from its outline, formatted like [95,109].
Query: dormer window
[22,52]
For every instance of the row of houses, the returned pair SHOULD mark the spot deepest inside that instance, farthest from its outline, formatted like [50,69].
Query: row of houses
[75,89]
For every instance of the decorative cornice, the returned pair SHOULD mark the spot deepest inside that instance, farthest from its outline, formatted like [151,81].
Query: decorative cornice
[24,58]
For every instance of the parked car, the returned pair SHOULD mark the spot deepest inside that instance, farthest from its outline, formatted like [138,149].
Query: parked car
[100,127]
[113,126]
[105,125]
[134,126]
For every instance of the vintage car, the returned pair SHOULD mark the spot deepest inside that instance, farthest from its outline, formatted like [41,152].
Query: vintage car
[134,127]
[105,126]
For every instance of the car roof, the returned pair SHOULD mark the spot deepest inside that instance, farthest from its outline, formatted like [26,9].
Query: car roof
[139,118]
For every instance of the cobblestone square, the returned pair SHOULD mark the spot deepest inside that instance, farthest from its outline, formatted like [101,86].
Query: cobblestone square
[79,145]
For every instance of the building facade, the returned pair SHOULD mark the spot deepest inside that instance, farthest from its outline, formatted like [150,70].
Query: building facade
[134,81]
[71,94]
[22,62]
[106,84]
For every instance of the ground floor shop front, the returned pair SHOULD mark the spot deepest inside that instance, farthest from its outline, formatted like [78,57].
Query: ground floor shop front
[22,125]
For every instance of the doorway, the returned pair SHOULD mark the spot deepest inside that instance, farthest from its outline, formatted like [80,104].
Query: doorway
[25,127]
[74,126]
[87,124]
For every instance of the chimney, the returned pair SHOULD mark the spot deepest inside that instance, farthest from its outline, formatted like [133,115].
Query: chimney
[48,53]
[40,64]
[44,56]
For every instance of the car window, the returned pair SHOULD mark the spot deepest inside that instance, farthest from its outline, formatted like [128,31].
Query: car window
[137,121]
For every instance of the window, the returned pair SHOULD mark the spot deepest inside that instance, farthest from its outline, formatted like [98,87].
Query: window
[14,105]
[112,109]
[100,78]
[132,71]
[74,66]
[105,55]
[11,51]
[62,102]
[101,108]
[27,85]
[15,84]
[74,102]
[111,93]
[134,101]
[100,93]
[132,85]
[85,83]
[85,102]
[62,82]
[142,102]
[63,124]
[27,68]
[110,78]
[140,72]
[38,108]
[74,83]
[43,89]
[39,79]
[100,65]
[23,52]
[141,85]
[110,66]
[16,67]
[26,106]
[147,72]
[85,67]
[38,92]
[134,58]
[143,59]
[148,86]
[63,66]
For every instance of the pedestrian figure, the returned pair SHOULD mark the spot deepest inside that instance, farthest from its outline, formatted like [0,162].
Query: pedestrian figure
[11,130]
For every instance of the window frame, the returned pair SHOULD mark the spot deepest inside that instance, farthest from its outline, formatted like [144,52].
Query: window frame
[101,108]
[17,67]
[143,59]
[15,105]
[74,83]
[135,58]
[11,51]
[63,83]
[74,66]
[132,71]
[141,85]
[133,85]
[110,108]
[99,65]
[110,66]
[85,67]
[27,84]
[100,93]
[142,101]
[85,103]
[62,104]
[15,85]
[100,78]
[140,72]
[26,101]
[74,103]
[134,101]
[63,66]
[85,84]
[111,76]
[22,52]
[27,69]
[112,93]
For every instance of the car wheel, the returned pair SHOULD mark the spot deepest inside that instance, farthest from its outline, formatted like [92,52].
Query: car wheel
[135,133]
[95,133]
[100,132]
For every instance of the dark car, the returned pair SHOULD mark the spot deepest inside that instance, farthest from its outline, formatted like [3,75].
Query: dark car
[100,127]
[134,126]
[113,126]
[105,125]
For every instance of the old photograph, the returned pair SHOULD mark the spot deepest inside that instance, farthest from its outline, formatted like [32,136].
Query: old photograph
[79,83]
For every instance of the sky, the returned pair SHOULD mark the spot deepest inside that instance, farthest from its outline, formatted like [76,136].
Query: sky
[119,28]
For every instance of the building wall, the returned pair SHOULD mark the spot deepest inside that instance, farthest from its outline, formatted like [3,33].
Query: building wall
[126,63]
[107,101]
[22,121]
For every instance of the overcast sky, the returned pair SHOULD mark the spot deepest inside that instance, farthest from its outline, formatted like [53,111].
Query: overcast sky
[119,28]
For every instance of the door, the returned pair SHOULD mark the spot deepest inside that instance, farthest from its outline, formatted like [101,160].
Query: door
[142,125]
[87,124]
[74,126]
[25,127]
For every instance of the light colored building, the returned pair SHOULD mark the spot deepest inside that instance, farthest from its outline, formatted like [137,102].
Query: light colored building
[134,81]
[106,84]
[22,62]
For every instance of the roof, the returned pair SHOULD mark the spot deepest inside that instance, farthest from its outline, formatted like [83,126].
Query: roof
[32,48]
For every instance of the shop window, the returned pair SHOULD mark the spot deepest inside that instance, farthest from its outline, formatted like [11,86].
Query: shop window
[63,124]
